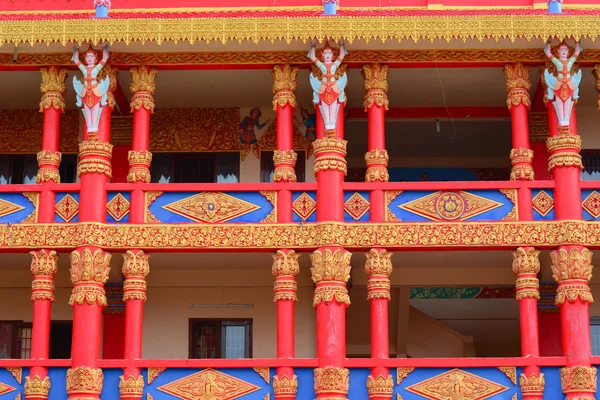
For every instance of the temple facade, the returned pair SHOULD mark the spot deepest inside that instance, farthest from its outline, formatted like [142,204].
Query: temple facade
[299,199]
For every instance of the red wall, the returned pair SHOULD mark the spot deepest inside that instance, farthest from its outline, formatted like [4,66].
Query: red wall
[550,334]
[120,165]
[113,337]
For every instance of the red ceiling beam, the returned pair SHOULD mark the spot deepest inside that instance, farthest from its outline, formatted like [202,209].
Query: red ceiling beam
[436,112]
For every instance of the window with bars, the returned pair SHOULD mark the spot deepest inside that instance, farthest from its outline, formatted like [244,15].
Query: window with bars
[267,166]
[195,168]
[22,168]
[591,165]
[595,335]
[216,338]
[15,339]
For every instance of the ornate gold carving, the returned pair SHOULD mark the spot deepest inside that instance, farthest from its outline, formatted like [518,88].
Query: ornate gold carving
[532,385]
[135,270]
[564,142]
[378,267]
[285,162]
[330,272]
[131,386]
[285,268]
[457,384]
[304,206]
[142,86]
[521,159]
[36,387]
[53,88]
[330,145]
[208,384]
[94,157]
[89,272]
[284,85]
[118,207]
[377,162]
[44,264]
[264,372]
[211,207]
[112,73]
[566,159]
[151,198]
[67,208]
[517,85]
[48,163]
[84,381]
[389,197]
[139,166]
[510,372]
[402,373]
[17,373]
[271,197]
[330,154]
[382,386]
[284,386]
[330,163]
[596,73]
[153,373]
[331,381]
[357,206]
[526,265]
[578,379]
[572,269]
[538,125]
[375,85]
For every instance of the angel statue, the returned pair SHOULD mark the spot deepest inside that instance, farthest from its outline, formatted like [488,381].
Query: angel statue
[91,94]
[328,92]
[564,86]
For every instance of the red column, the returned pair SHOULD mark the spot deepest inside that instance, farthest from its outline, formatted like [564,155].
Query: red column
[284,104]
[380,384]
[331,265]
[376,102]
[285,264]
[285,269]
[526,265]
[572,266]
[135,266]
[90,265]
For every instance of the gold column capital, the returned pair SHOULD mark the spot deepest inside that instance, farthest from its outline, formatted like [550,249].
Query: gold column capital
[143,87]
[572,269]
[375,85]
[89,272]
[44,265]
[379,268]
[284,86]
[135,270]
[517,84]
[53,88]
[285,268]
[330,272]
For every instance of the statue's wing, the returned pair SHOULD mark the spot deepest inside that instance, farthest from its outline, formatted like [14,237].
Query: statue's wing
[550,82]
[342,82]
[315,82]
[77,85]
[103,85]
[576,81]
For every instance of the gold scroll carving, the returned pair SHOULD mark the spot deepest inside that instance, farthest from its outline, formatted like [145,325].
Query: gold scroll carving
[526,265]
[285,162]
[330,272]
[375,85]
[379,268]
[532,384]
[578,379]
[21,131]
[330,153]
[37,387]
[135,270]
[48,163]
[284,386]
[44,265]
[284,86]
[285,268]
[89,272]
[332,380]
[380,387]
[131,386]
[143,87]
[84,381]
[53,88]
[139,166]
[517,85]
[377,162]
[572,269]
[94,158]
[195,129]
[521,159]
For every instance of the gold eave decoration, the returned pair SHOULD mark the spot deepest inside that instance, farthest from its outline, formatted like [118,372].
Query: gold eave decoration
[169,27]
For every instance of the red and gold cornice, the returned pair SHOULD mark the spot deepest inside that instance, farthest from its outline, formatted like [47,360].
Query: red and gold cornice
[279,23]
[268,237]
[495,57]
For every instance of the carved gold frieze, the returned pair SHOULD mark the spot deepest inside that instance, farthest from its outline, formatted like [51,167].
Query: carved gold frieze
[131,386]
[284,86]
[378,267]
[517,85]
[44,265]
[53,88]
[375,85]
[208,384]
[380,387]
[330,272]
[533,384]
[89,272]
[211,207]
[377,162]
[457,384]
[143,87]
[139,166]
[48,163]
[94,157]
[331,381]
[578,379]
[564,142]
[84,381]
[283,386]
[135,270]
[154,372]
[285,268]
[330,153]
[36,387]
[285,162]
[572,269]
[526,264]
[521,159]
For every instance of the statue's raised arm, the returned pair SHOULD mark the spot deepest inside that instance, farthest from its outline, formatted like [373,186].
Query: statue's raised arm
[328,91]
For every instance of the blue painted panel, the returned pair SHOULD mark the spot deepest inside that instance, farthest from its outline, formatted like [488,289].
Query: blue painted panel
[58,383]
[586,215]
[367,216]
[306,389]
[313,216]
[422,374]
[552,390]
[110,390]
[21,201]
[536,215]
[496,214]
[59,197]
[431,174]
[166,216]
[111,195]
[173,374]
[358,383]
[17,388]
